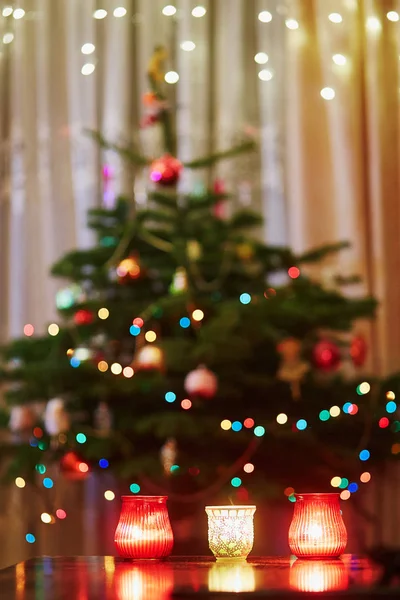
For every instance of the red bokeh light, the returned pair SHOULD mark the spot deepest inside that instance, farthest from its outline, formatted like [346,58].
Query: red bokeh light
[60,513]
[194,471]
[138,322]
[294,272]
[353,409]
[186,404]
[248,423]
[384,422]
[38,433]
[29,330]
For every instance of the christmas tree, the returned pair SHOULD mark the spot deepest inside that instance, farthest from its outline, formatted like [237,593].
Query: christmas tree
[178,365]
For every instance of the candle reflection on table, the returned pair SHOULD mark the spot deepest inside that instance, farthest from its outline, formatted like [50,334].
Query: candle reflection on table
[144,581]
[235,577]
[318,576]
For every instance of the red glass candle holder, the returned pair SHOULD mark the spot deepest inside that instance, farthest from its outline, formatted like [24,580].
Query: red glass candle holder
[318,576]
[317,530]
[144,529]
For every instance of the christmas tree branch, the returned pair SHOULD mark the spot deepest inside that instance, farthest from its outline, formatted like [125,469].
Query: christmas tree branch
[212,159]
[129,153]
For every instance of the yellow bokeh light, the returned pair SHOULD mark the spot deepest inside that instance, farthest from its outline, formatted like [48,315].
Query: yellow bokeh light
[327,93]
[335,18]
[116,369]
[364,387]
[282,418]
[103,313]
[197,315]
[109,495]
[390,395]
[334,411]
[150,336]
[392,15]
[102,366]
[20,482]
[345,495]
[336,481]
[339,59]
[226,424]
[45,517]
[292,24]
[53,329]
[128,372]
[70,351]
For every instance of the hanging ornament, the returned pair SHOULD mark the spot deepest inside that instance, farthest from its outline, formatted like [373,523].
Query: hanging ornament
[292,368]
[245,251]
[73,467]
[168,455]
[128,269]
[219,209]
[358,350]
[165,170]
[179,283]
[201,382]
[148,120]
[326,355]
[149,358]
[83,317]
[22,418]
[103,419]
[194,250]
[67,297]
[56,419]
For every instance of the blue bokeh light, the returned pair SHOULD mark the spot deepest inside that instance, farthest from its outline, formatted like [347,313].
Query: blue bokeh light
[75,362]
[391,407]
[170,397]
[364,455]
[134,330]
[353,487]
[103,463]
[346,407]
[245,298]
[259,431]
[184,322]
[301,424]
[237,426]
[30,538]
[48,483]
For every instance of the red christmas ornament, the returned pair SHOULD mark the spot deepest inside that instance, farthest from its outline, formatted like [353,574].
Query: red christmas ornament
[201,382]
[150,119]
[326,355]
[165,170]
[74,468]
[358,350]
[83,317]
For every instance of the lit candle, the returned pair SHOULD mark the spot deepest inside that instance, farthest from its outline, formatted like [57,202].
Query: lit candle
[230,531]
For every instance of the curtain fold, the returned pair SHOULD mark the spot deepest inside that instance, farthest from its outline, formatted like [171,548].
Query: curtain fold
[326,170]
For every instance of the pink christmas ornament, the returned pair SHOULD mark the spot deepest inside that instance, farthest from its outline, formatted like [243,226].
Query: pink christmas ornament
[201,382]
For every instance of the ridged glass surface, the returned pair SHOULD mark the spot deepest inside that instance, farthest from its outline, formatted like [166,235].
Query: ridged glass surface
[318,576]
[144,581]
[144,529]
[317,529]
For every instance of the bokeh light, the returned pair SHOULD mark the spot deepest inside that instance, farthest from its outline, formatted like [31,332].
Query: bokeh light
[336,481]
[103,463]
[364,455]
[245,298]
[184,322]
[353,410]
[291,24]
[103,313]
[74,362]
[61,514]
[100,13]
[259,431]
[197,315]
[384,422]
[346,407]
[226,424]
[45,517]
[134,488]
[236,426]
[391,407]
[327,93]
[41,468]
[150,336]
[53,329]
[365,477]
[390,395]
[282,419]
[171,77]
[248,468]
[364,388]
[102,366]
[169,10]
[289,491]
[344,482]
[199,11]
[236,482]
[396,448]
[301,424]
[335,17]
[170,397]
[353,487]
[119,12]
[138,321]
[116,369]
[294,272]
[265,16]
[30,538]
[186,404]
[324,415]
[20,482]
[83,467]
[248,423]
[81,438]
[109,495]
[38,432]
[334,411]
[48,483]
[29,330]
[345,495]
[128,372]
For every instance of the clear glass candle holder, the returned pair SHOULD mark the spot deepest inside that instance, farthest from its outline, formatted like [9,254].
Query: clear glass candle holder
[144,529]
[317,530]
[230,531]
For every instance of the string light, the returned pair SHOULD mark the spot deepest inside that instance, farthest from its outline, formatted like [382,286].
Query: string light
[45,517]
[265,16]
[346,407]
[327,93]
[38,432]
[344,482]
[339,59]
[265,75]
[169,10]
[226,424]
[109,495]
[248,468]
[103,463]
[128,372]
[170,397]
[301,424]
[100,13]
[390,395]
[134,330]
[384,422]
[353,487]
[74,362]
[171,77]
[8,38]
[289,491]
[199,11]
[188,46]
[7,11]
[365,477]
[364,455]
[261,58]
[120,11]
[102,366]
[392,15]
[197,315]
[48,483]
[88,69]
[150,336]
[53,329]
[103,313]
[291,24]
[20,482]
[184,322]
[186,404]
[134,488]
[116,369]
[391,407]
[324,415]
[364,387]
[353,410]
[88,48]
[29,330]
[294,272]
[138,321]
[18,13]
[40,468]
[83,467]
[335,18]
[282,419]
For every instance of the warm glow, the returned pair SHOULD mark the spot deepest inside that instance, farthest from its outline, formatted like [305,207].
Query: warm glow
[88,69]
[116,369]
[128,372]
[318,576]
[236,577]
[7,11]
[336,481]
[8,38]
[169,10]
[20,482]
[248,468]
[88,48]
[339,59]
[365,477]
[100,14]
[199,11]
[103,313]
[392,15]
[18,13]
[230,531]
[364,387]
[334,411]
[29,330]
[226,424]
[46,518]
[109,495]
[292,24]
[120,11]
[186,404]
[150,336]
[390,395]
[188,46]
[197,315]
[282,418]
[327,93]
[102,366]
[335,18]
[264,16]
[83,467]
[265,75]
[171,77]
[373,24]
[345,495]
[53,329]
[261,58]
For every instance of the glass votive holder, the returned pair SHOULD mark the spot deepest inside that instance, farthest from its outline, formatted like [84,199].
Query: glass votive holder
[230,531]
[144,529]
[237,577]
[318,576]
[317,530]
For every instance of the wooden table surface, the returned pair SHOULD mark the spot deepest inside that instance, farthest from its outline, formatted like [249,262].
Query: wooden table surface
[109,578]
